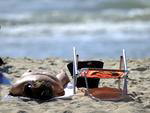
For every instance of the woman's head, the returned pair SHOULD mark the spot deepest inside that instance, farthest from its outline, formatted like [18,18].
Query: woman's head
[38,90]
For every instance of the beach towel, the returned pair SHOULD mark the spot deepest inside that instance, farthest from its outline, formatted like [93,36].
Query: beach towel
[4,79]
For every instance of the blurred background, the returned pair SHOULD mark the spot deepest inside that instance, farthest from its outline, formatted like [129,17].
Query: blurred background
[98,28]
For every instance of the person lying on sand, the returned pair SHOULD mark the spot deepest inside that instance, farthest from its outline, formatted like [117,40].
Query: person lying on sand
[40,85]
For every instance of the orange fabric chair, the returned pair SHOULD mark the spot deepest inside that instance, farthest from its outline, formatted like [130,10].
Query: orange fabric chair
[104,93]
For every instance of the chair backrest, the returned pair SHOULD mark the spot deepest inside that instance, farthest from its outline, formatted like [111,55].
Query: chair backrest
[92,82]
[85,64]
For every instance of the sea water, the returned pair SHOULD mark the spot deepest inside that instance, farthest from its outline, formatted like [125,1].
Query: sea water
[97,28]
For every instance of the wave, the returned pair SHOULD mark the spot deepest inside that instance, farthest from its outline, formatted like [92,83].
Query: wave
[71,5]
[116,31]
[117,24]
[74,17]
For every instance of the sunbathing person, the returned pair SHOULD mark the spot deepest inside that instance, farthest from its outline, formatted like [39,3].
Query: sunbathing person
[40,85]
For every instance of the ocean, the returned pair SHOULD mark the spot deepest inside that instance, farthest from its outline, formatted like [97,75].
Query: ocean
[97,28]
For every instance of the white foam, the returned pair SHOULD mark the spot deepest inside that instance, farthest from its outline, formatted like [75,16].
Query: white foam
[126,14]
[90,28]
[15,16]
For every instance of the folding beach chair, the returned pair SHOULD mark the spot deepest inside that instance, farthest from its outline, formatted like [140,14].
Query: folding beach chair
[103,93]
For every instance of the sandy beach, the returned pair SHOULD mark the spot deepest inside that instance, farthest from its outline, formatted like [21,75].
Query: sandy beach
[139,83]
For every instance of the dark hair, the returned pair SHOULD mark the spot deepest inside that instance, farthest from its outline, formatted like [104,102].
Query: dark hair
[41,91]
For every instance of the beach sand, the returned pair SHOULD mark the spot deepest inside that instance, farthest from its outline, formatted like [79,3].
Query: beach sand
[139,87]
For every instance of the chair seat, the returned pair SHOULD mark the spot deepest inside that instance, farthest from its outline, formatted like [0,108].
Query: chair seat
[106,93]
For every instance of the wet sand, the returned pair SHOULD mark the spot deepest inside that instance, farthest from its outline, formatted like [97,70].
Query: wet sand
[139,88]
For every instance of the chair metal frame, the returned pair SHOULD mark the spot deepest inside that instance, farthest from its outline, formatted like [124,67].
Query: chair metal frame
[123,69]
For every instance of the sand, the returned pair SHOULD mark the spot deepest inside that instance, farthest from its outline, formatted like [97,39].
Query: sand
[139,87]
